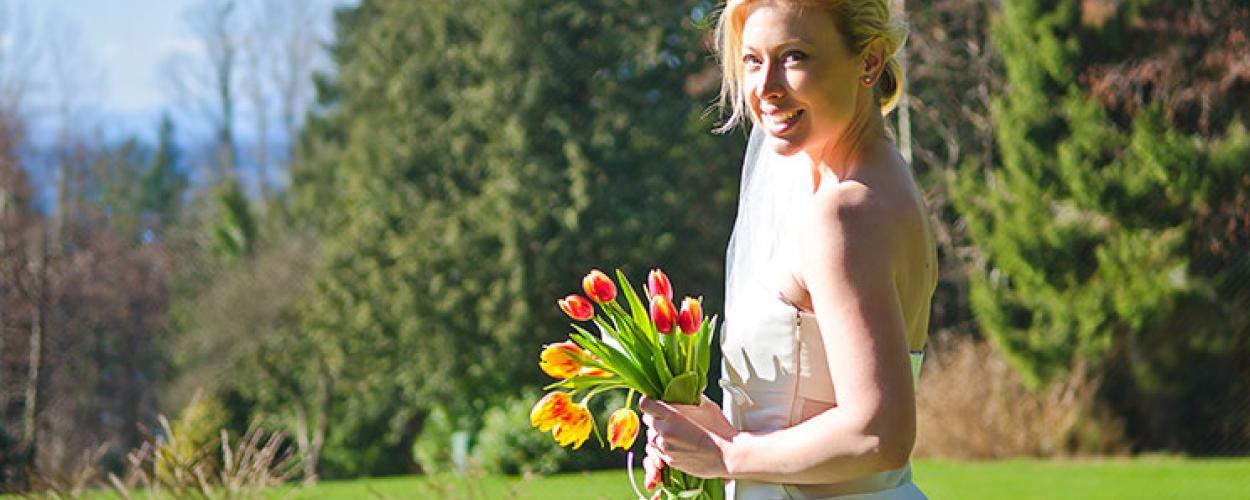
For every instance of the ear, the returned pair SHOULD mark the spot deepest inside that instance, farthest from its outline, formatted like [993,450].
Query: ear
[873,58]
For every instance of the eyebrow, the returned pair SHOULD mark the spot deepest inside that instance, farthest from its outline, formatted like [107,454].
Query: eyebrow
[792,41]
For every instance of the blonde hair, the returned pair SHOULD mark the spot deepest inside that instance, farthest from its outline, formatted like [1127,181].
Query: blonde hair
[860,22]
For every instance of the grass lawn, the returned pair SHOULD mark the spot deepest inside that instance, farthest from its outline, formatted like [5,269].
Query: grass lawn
[1010,479]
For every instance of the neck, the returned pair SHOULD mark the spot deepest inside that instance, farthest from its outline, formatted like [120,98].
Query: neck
[842,153]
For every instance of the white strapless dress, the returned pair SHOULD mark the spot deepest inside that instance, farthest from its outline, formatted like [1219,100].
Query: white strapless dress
[774,359]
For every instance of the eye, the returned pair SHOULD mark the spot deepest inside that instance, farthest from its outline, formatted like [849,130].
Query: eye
[794,56]
[750,60]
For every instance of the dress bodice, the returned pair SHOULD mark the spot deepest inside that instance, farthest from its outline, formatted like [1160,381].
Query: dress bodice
[773,363]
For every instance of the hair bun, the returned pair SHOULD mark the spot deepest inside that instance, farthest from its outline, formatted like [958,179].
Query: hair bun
[890,85]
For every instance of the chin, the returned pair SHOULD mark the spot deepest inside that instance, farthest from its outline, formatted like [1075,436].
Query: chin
[784,146]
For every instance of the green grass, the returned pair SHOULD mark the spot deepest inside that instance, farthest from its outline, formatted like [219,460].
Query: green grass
[1149,478]
[1154,478]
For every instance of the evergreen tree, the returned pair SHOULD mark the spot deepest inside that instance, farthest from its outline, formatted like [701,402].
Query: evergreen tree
[235,233]
[476,161]
[1089,251]
[163,184]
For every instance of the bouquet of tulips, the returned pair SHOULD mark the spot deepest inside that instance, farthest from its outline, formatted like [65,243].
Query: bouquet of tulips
[656,350]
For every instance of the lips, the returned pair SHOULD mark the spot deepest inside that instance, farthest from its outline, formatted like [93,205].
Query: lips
[779,123]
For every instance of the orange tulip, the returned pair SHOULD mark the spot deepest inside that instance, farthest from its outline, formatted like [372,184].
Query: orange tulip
[598,287]
[562,360]
[658,284]
[577,307]
[574,427]
[549,410]
[622,428]
[663,313]
[691,316]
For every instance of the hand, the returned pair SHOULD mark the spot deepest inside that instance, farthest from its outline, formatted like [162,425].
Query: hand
[692,439]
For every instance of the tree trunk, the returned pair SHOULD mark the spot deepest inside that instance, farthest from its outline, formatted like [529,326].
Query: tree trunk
[262,137]
[30,424]
[319,432]
[303,443]
[904,112]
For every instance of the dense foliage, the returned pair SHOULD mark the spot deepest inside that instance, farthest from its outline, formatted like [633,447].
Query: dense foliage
[476,157]
[1115,236]
[1086,162]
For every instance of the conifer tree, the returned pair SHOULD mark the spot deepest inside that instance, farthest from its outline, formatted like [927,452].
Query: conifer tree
[477,159]
[1090,232]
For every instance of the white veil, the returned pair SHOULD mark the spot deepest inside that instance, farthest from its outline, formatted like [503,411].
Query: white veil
[770,189]
[767,197]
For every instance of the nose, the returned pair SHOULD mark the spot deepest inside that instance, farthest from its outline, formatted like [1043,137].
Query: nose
[772,85]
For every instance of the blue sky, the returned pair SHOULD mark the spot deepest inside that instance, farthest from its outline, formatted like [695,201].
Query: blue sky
[124,43]
[128,39]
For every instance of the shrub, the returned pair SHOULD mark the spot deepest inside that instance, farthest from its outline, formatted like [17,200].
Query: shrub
[507,443]
[971,404]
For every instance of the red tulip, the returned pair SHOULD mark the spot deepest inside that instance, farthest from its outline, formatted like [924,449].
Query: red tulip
[658,284]
[690,319]
[663,313]
[598,287]
[577,307]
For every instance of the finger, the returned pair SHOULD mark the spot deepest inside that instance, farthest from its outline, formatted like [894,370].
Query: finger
[658,453]
[658,410]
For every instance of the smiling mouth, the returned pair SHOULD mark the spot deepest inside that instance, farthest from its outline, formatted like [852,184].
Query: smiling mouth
[781,122]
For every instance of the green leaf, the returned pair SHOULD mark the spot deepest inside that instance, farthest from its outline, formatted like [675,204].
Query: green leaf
[703,349]
[634,348]
[636,308]
[649,351]
[683,389]
[626,368]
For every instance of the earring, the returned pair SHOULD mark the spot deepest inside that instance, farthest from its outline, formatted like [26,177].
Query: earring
[867,79]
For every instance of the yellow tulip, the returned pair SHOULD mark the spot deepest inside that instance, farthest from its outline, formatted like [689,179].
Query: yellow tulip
[562,360]
[622,428]
[574,426]
[549,410]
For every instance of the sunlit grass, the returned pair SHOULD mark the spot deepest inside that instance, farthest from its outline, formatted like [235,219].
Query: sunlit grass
[1153,478]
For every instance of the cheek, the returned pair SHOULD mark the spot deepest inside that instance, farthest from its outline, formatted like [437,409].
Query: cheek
[833,98]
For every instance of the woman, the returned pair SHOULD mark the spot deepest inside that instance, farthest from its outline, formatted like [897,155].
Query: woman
[831,270]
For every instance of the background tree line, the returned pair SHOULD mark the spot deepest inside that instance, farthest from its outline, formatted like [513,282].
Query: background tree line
[464,164]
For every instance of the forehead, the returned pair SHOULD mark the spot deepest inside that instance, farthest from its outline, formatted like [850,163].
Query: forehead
[769,24]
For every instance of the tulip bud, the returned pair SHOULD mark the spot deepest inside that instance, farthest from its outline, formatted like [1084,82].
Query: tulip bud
[562,360]
[577,307]
[658,284]
[598,287]
[691,317]
[622,429]
[663,313]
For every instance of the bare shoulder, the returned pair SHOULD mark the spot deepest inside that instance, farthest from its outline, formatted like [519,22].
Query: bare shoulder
[862,211]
